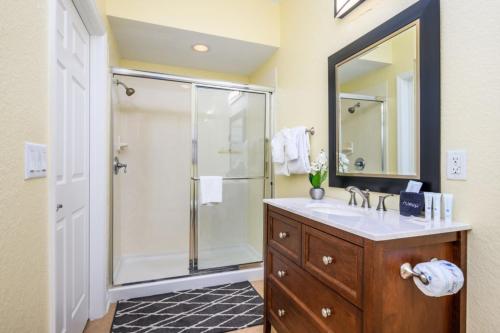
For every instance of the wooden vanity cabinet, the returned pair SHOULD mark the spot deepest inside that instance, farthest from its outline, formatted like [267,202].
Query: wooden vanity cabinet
[322,279]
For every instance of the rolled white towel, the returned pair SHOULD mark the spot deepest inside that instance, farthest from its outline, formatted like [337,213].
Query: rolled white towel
[444,277]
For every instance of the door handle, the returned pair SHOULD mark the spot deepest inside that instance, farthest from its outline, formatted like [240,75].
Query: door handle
[59,206]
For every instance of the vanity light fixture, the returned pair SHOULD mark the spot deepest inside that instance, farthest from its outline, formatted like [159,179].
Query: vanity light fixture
[344,7]
[200,48]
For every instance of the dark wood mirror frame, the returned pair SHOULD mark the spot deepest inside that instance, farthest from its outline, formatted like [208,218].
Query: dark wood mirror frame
[427,12]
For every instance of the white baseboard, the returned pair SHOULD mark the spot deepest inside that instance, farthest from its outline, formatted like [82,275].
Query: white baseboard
[190,282]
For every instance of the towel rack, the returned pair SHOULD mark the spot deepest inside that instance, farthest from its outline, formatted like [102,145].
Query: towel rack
[311,130]
[406,272]
[233,178]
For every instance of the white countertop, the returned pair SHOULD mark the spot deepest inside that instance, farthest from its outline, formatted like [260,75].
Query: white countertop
[367,223]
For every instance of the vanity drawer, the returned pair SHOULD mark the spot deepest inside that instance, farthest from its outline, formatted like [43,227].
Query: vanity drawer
[330,311]
[285,315]
[285,236]
[336,262]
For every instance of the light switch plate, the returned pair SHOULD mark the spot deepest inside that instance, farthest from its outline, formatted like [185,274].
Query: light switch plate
[456,167]
[35,160]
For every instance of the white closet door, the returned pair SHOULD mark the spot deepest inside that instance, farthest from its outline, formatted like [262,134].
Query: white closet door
[72,170]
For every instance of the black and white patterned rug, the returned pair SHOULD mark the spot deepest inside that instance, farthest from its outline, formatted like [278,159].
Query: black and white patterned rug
[209,310]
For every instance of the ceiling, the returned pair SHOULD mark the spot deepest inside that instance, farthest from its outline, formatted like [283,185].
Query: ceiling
[357,68]
[170,46]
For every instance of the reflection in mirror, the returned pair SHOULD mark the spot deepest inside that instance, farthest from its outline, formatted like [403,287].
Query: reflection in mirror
[377,112]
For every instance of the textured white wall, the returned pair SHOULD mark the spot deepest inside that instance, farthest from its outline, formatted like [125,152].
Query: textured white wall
[23,204]
[470,86]
[151,201]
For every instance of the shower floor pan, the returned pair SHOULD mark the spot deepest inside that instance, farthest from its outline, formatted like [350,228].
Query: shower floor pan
[133,269]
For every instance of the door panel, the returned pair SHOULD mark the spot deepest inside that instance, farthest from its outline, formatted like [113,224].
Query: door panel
[231,132]
[230,127]
[72,170]
[230,233]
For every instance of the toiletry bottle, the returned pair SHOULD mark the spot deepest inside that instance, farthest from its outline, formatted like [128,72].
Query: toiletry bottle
[428,205]
[448,207]
[436,206]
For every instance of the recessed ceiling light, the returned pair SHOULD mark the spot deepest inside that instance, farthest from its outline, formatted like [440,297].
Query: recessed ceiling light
[200,48]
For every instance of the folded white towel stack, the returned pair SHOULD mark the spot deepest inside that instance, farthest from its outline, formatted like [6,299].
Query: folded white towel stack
[290,151]
[444,277]
[210,190]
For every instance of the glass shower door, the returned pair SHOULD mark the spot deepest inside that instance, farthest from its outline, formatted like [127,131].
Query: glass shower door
[230,138]
[151,196]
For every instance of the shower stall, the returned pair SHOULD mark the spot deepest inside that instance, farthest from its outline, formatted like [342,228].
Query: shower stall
[363,133]
[168,131]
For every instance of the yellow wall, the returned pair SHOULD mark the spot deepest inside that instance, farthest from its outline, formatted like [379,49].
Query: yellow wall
[254,21]
[23,204]
[113,52]
[183,71]
[470,117]
[470,114]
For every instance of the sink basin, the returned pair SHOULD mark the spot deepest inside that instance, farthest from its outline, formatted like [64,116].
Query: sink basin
[335,211]
[332,210]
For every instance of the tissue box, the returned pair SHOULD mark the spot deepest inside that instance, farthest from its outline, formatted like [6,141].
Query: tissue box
[411,204]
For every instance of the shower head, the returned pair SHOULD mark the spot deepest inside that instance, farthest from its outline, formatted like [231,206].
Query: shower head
[352,109]
[128,91]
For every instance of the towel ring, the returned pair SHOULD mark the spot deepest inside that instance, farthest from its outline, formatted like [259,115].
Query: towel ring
[406,272]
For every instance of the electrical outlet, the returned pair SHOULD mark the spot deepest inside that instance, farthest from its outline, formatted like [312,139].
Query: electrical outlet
[456,164]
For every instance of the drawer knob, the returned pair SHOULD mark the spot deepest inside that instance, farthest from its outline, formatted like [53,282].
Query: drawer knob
[281,313]
[283,235]
[281,273]
[326,312]
[327,260]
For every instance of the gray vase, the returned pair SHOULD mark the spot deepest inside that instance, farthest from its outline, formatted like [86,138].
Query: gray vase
[317,193]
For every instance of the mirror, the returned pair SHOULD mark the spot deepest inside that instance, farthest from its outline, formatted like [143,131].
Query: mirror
[384,104]
[378,108]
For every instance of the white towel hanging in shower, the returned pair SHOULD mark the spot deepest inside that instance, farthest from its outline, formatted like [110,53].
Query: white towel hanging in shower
[210,190]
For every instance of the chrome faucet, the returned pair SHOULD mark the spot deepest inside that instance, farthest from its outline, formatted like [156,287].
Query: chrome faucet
[365,195]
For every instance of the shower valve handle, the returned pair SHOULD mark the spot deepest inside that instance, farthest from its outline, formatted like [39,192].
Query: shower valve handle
[117,165]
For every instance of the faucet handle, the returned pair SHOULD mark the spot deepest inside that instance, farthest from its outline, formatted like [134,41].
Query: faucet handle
[366,199]
[366,202]
[352,200]
[381,202]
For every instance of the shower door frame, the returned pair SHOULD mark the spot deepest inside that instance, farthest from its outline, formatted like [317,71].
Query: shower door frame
[268,188]
[267,178]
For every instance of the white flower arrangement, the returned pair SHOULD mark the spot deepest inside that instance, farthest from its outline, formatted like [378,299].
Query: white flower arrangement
[319,170]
